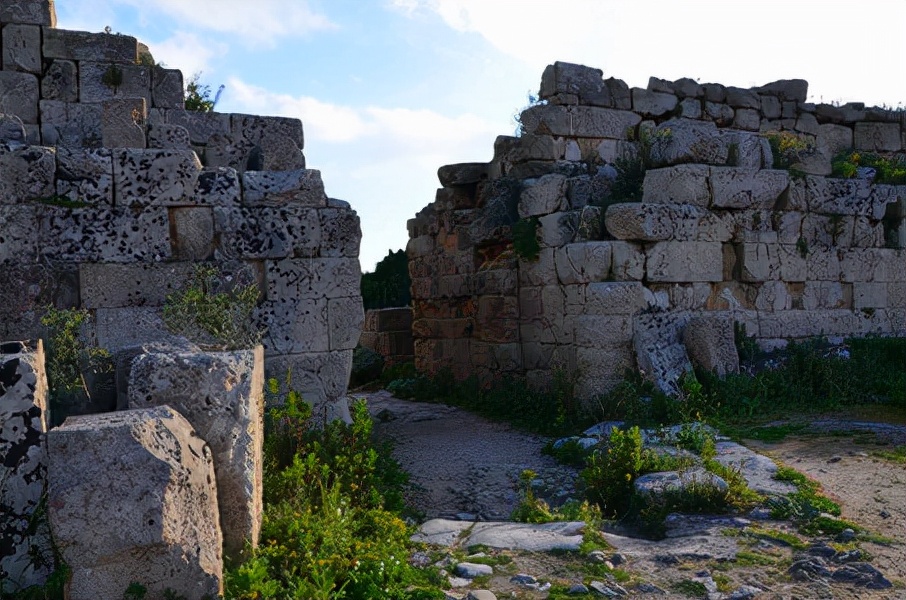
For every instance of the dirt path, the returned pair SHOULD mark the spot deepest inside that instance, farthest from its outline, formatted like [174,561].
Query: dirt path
[461,462]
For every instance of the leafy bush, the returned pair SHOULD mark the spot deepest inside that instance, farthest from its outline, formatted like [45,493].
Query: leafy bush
[198,95]
[215,311]
[888,169]
[789,148]
[525,238]
[329,528]
[609,474]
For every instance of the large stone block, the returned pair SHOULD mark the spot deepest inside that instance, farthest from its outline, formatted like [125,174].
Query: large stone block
[222,395]
[579,121]
[192,232]
[71,124]
[103,235]
[60,82]
[313,278]
[276,188]
[167,88]
[614,298]
[602,331]
[157,478]
[154,177]
[218,186]
[341,233]
[85,176]
[656,222]
[600,369]
[295,325]
[127,327]
[27,174]
[122,123]
[255,128]
[543,196]
[849,197]
[659,350]
[168,137]
[26,551]
[685,261]
[114,285]
[99,81]
[652,104]
[831,140]
[710,343]
[773,262]
[289,231]
[583,263]
[321,378]
[679,141]
[345,317]
[878,137]
[826,294]
[18,242]
[202,126]
[682,184]
[19,95]
[32,12]
[586,83]
[735,187]
[22,48]
[85,46]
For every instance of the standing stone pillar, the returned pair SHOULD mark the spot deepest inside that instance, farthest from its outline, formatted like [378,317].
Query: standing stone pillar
[26,556]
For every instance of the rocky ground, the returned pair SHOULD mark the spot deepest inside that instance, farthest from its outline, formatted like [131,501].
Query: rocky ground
[465,471]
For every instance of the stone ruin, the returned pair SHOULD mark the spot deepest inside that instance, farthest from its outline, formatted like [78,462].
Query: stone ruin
[111,193]
[719,237]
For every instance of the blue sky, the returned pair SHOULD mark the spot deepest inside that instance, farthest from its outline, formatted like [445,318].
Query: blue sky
[390,90]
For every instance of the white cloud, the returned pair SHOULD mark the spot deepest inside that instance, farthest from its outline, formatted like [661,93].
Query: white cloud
[259,22]
[187,52]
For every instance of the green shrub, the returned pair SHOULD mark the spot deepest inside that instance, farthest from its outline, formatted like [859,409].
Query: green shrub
[609,474]
[198,96]
[888,169]
[389,285]
[214,311]
[525,238]
[789,148]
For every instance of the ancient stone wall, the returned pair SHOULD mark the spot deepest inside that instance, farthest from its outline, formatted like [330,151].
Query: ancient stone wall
[715,232]
[111,193]
[388,331]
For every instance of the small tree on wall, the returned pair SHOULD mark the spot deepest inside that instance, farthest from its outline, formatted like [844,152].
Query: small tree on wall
[389,285]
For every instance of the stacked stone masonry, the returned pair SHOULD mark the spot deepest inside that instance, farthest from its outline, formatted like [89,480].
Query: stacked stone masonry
[388,331]
[111,194]
[717,233]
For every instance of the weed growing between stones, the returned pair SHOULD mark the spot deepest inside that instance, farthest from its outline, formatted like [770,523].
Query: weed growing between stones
[789,148]
[807,507]
[198,95]
[214,311]
[889,169]
[331,524]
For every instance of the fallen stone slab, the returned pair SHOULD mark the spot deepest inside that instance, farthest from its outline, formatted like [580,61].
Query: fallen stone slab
[758,470]
[655,484]
[132,498]
[561,535]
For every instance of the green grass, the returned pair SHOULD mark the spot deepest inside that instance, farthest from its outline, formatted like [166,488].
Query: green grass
[897,455]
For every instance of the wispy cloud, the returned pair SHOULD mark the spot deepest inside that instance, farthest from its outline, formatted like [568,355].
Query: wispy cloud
[187,52]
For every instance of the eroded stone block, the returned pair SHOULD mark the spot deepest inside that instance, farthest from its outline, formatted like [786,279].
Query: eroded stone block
[27,174]
[579,121]
[202,126]
[154,177]
[267,232]
[26,553]
[345,317]
[85,46]
[122,123]
[60,82]
[735,187]
[614,298]
[543,196]
[275,188]
[85,176]
[33,12]
[321,378]
[583,263]
[313,278]
[71,124]
[685,261]
[114,285]
[167,88]
[710,343]
[162,529]
[222,395]
[103,235]
[878,137]
[19,95]
[682,184]
[680,141]
[167,136]
[659,350]
[341,233]
[655,222]
[22,48]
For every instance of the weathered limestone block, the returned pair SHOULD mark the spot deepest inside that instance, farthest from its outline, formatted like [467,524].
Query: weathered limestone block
[27,174]
[628,261]
[60,82]
[793,90]
[497,319]
[202,126]
[748,150]
[721,114]
[652,104]
[682,184]
[33,12]
[462,174]
[603,331]
[275,188]
[169,137]
[26,557]
[772,262]
[826,294]
[808,323]
[192,232]
[614,298]
[104,235]
[22,48]
[601,369]
[388,319]
[19,95]
[120,328]
[254,128]
[18,243]
[849,197]
[735,187]
[827,231]
[685,261]
[583,263]
[219,186]
[341,233]
[871,264]
[295,325]
[747,119]
[221,394]
[321,378]
[154,177]
[161,529]
[742,98]
[345,317]
[830,141]
[267,232]
[878,137]
[313,278]
[85,176]
[659,349]
[71,124]
[28,289]
[540,272]
[586,83]
[656,222]
[12,131]
[84,46]
[167,88]
[867,233]
[558,229]
[710,343]
[690,108]
[122,122]
[686,141]
[99,81]
[113,285]
[807,123]
[543,196]
[579,121]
